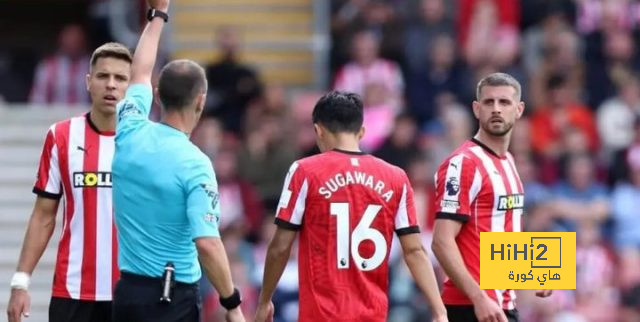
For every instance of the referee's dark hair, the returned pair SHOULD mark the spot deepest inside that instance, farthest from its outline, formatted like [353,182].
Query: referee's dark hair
[181,81]
[339,112]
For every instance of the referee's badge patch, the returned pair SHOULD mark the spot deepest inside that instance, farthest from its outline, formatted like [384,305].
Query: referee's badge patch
[127,109]
[211,218]
[212,193]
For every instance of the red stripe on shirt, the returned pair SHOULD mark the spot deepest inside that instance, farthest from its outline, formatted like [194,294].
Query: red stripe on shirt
[62,264]
[45,162]
[90,199]
[115,272]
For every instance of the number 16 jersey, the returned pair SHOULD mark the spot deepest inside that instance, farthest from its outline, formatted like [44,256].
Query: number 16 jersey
[346,206]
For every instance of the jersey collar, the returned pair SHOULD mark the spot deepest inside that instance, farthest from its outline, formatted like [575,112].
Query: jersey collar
[95,128]
[350,152]
[486,148]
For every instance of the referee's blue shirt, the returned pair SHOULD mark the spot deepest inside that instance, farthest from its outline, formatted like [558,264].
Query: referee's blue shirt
[165,194]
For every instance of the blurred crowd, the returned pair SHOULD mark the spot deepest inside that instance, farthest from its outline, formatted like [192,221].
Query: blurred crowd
[416,64]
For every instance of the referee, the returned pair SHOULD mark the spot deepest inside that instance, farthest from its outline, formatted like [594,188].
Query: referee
[165,193]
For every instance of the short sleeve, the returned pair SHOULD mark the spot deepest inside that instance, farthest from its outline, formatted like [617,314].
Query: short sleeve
[203,207]
[405,219]
[135,106]
[292,199]
[48,182]
[458,182]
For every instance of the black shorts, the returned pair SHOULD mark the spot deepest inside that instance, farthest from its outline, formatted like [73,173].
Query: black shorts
[70,310]
[137,299]
[465,313]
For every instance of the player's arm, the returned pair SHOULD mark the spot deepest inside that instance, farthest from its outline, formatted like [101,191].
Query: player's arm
[446,250]
[40,226]
[408,231]
[144,58]
[289,220]
[457,185]
[39,231]
[277,257]
[203,212]
[422,271]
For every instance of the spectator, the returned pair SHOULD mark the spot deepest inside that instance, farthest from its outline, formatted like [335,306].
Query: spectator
[378,117]
[579,199]
[208,136]
[488,31]
[264,147]
[443,74]
[367,67]
[560,54]
[625,202]
[232,85]
[562,111]
[239,198]
[433,20]
[536,193]
[379,17]
[401,145]
[619,166]
[616,116]
[596,296]
[452,127]
[536,40]
[609,57]
[273,104]
[61,77]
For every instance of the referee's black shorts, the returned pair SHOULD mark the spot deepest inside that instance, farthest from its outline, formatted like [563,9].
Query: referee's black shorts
[70,310]
[465,313]
[137,299]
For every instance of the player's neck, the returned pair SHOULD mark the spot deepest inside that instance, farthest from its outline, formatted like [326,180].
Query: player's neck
[497,144]
[103,122]
[346,144]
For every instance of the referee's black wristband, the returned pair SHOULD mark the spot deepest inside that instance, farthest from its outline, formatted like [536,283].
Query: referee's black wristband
[232,301]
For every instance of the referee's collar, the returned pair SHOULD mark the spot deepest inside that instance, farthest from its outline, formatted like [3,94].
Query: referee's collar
[486,148]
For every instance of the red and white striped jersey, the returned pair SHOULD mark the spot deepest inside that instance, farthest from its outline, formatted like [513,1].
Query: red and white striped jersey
[76,163]
[483,190]
[347,206]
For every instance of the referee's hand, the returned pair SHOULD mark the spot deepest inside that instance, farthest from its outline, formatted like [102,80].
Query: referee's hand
[162,5]
[19,305]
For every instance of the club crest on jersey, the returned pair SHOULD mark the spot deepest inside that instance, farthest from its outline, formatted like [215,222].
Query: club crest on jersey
[212,193]
[453,186]
[509,202]
[92,179]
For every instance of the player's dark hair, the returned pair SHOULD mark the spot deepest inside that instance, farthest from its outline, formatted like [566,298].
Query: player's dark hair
[499,79]
[339,112]
[111,50]
[181,81]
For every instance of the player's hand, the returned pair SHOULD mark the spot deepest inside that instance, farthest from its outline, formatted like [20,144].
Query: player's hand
[19,305]
[543,293]
[162,5]
[487,310]
[235,315]
[265,312]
